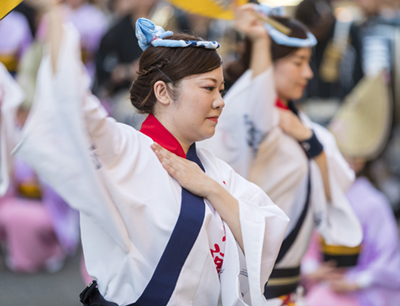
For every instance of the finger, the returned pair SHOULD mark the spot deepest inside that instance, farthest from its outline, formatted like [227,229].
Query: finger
[170,168]
[171,162]
[331,263]
[160,152]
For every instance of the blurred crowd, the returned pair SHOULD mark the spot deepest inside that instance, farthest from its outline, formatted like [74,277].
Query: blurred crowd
[358,38]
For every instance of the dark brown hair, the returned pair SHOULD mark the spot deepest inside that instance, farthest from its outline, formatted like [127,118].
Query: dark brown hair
[169,65]
[237,68]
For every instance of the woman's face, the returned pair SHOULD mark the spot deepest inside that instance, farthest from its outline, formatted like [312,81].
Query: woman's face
[292,74]
[194,115]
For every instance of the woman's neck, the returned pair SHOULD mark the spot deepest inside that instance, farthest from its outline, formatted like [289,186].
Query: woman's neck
[175,132]
[284,101]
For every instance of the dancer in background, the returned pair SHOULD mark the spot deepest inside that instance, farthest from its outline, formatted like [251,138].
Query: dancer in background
[156,229]
[266,139]
[37,228]
[15,39]
[367,275]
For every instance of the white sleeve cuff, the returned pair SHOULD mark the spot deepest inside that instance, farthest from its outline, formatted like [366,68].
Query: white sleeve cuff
[364,280]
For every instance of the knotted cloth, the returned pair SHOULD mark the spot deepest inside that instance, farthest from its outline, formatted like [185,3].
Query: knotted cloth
[279,37]
[148,34]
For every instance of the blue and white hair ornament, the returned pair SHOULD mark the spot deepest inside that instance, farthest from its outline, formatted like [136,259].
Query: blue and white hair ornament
[279,37]
[148,34]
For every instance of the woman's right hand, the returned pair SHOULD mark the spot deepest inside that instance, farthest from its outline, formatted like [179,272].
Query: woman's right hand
[43,5]
[247,22]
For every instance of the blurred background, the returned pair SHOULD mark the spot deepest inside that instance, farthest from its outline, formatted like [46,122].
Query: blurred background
[356,38]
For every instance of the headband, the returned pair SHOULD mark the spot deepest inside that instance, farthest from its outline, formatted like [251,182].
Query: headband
[279,37]
[148,34]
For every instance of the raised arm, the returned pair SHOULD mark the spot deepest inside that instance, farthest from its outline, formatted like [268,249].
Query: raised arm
[246,22]
[72,83]
[249,113]
[54,141]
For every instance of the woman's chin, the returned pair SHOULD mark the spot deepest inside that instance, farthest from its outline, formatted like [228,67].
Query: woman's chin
[210,133]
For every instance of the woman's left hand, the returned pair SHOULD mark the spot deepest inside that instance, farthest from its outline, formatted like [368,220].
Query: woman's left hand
[291,125]
[192,178]
[343,286]
[187,173]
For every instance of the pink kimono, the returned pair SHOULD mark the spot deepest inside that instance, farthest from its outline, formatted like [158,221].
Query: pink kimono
[38,228]
[378,267]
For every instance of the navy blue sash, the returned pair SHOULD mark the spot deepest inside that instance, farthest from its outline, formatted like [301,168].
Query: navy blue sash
[290,239]
[162,284]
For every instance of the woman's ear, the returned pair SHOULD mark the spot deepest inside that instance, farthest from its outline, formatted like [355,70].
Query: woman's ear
[161,93]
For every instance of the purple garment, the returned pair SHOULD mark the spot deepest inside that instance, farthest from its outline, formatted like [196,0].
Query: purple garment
[379,261]
[15,34]
[65,220]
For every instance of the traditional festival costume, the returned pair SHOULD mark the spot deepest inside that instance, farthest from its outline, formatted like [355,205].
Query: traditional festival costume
[146,240]
[37,227]
[378,265]
[249,139]
[361,128]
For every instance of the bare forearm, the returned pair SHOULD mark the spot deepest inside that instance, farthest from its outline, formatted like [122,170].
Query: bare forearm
[260,56]
[54,36]
[321,162]
[228,208]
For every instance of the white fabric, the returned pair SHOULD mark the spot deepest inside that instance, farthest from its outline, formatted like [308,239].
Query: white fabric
[128,202]
[249,139]
[11,97]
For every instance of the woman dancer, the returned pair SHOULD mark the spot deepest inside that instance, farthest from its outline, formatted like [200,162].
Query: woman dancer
[163,223]
[367,275]
[263,137]
[37,228]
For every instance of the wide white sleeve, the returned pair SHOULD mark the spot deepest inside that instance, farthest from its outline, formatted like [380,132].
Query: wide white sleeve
[54,143]
[249,114]
[335,220]
[263,227]
[11,97]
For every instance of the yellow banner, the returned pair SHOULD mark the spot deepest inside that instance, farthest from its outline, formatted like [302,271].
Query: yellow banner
[7,6]
[222,9]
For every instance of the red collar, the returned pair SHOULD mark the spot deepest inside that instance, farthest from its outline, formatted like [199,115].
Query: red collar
[156,131]
[280,104]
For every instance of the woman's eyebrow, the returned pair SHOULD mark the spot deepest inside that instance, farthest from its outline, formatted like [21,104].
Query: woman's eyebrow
[214,80]
[301,57]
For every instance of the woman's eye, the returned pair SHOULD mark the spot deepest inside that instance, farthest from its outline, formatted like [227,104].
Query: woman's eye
[209,88]
[298,64]
[222,92]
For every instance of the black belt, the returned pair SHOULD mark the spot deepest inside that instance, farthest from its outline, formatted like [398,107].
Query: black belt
[91,296]
[282,282]
[342,255]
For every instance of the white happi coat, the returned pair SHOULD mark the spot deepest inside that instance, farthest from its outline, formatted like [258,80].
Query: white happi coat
[249,139]
[11,97]
[129,204]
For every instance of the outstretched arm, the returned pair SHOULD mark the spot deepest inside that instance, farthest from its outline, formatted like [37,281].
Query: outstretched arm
[246,22]
[54,22]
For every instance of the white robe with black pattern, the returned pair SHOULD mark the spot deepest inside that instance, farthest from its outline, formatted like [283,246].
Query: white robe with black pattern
[249,139]
[129,204]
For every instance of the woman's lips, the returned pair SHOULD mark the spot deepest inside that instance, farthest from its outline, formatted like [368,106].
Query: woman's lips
[214,119]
